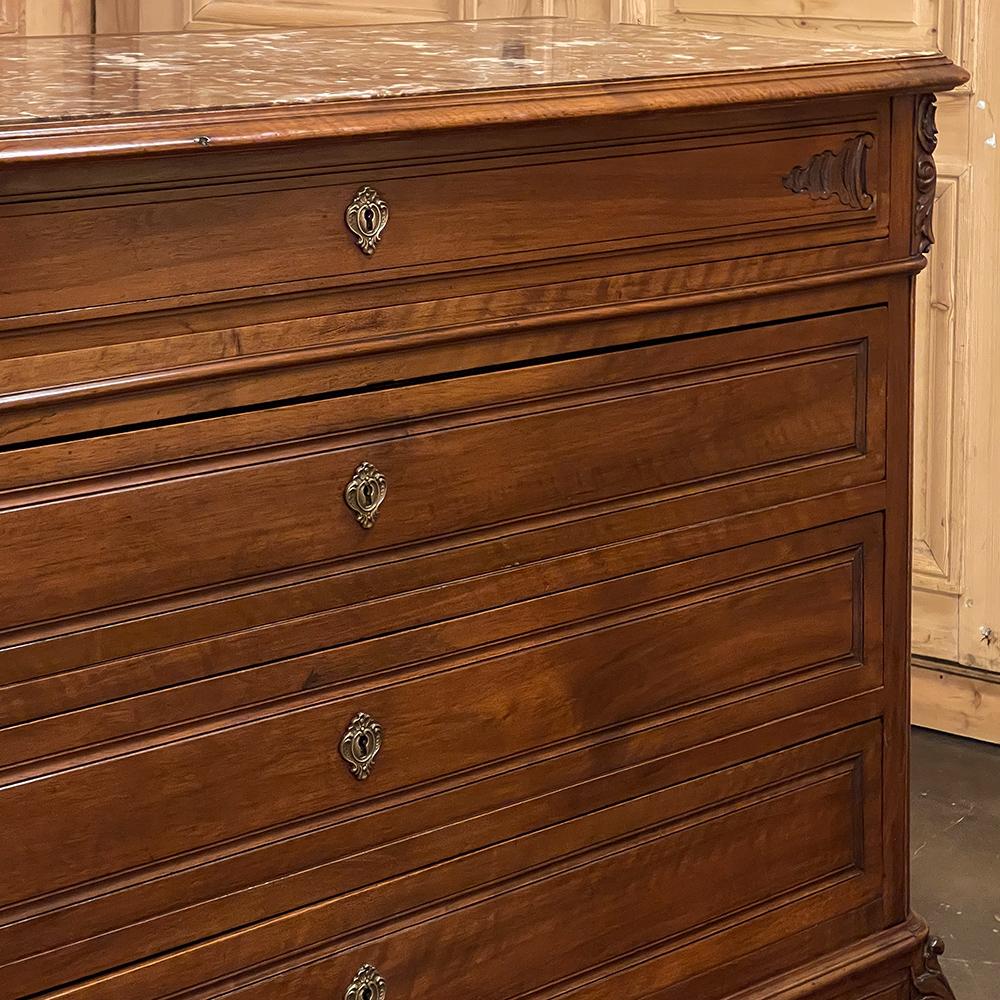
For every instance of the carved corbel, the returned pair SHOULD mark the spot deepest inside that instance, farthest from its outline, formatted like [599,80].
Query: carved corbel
[926,173]
[929,981]
[842,174]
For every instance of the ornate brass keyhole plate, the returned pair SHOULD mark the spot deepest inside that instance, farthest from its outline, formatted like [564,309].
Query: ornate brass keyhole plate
[360,745]
[365,494]
[366,985]
[367,217]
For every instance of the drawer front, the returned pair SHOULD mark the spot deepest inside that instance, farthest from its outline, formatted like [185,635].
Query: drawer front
[778,413]
[646,889]
[758,629]
[191,238]
[748,855]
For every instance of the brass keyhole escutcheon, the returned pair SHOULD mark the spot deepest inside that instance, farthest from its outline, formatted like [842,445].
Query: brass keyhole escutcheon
[366,985]
[367,216]
[366,493]
[360,745]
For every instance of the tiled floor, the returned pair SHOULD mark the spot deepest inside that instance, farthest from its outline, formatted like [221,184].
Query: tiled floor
[955,848]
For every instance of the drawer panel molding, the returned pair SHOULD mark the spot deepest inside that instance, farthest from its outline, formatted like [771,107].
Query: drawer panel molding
[637,852]
[246,233]
[630,428]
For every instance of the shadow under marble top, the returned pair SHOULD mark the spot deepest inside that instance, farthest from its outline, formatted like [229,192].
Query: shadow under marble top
[79,77]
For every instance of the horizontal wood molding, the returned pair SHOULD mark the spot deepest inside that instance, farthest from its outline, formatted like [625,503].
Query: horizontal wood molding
[892,11]
[954,699]
[215,14]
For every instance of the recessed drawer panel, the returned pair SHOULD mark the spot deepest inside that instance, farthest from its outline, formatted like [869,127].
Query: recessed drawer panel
[775,413]
[750,854]
[414,219]
[766,631]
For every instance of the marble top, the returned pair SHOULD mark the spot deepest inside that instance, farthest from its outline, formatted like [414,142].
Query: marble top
[80,77]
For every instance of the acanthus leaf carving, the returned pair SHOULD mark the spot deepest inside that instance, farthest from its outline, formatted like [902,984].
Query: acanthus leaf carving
[926,173]
[929,981]
[841,174]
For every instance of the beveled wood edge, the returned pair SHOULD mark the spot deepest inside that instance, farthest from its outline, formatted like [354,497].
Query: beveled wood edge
[856,706]
[257,364]
[895,950]
[856,719]
[203,131]
[537,271]
[853,556]
[726,532]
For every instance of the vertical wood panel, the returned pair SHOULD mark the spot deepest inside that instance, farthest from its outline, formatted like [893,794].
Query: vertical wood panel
[981,606]
[10,15]
[940,397]
[57,17]
[118,16]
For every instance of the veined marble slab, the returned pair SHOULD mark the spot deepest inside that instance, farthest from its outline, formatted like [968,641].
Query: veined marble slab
[80,77]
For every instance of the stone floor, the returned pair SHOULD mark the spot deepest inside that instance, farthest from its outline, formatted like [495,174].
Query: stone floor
[955,846]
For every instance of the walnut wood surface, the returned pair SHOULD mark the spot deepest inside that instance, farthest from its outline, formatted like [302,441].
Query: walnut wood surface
[803,391]
[581,639]
[445,216]
[634,356]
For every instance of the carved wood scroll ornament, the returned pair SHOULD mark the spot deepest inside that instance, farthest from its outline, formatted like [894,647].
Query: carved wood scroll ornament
[930,982]
[842,174]
[926,173]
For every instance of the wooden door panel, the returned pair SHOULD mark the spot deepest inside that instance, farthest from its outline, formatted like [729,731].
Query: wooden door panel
[215,14]
[45,17]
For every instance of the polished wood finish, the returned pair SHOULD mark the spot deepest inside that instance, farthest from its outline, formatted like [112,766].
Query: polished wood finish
[631,623]
[803,390]
[445,216]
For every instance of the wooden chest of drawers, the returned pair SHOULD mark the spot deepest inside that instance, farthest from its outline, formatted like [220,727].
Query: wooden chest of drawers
[455,515]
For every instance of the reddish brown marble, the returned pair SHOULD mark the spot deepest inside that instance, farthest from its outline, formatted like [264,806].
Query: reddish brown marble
[83,77]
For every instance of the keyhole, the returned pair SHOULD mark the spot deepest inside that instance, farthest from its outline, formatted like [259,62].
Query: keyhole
[363,745]
[368,493]
[369,219]
[366,993]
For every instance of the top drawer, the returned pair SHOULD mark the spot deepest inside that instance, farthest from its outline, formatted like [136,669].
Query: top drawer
[436,208]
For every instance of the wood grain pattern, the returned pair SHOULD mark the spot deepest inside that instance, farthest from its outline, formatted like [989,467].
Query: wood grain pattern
[839,651]
[45,17]
[836,871]
[956,700]
[566,653]
[954,592]
[816,409]
[10,20]
[956,552]
[633,618]
[674,194]
[57,17]
[214,14]
[981,601]
[812,857]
